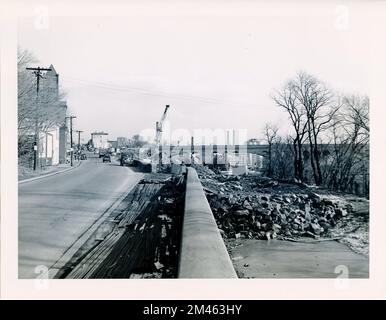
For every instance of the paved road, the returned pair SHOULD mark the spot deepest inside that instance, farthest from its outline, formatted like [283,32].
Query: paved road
[55,211]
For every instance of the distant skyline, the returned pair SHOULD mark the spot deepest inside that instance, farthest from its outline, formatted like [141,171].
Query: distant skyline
[215,71]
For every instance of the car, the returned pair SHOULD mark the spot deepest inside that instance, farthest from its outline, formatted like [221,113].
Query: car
[83,156]
[106,157]
[102,152]
[125,160]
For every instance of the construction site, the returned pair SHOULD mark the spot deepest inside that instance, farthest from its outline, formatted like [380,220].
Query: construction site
[221,218]
[150,145]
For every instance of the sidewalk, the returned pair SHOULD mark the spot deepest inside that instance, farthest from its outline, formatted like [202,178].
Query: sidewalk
[27,173]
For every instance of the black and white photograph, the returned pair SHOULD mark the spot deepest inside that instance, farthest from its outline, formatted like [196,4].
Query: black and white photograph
[182,140]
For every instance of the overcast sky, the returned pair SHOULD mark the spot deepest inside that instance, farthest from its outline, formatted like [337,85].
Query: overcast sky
[214,70]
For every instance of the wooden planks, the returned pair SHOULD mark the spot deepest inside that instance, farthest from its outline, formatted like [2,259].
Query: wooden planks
[101,261]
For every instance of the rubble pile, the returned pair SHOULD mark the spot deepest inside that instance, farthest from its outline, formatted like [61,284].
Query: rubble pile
[257,207]
[353,229]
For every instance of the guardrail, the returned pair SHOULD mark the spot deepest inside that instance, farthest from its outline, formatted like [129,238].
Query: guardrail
[203,253]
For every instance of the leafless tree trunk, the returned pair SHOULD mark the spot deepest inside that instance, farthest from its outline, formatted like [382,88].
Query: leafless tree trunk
[46,110]
[286,98]
[270,133]
[282,158]
[349,165]
[320,107]
[316,112]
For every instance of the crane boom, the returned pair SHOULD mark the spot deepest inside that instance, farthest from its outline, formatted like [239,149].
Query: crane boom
[159,126]
[164,115]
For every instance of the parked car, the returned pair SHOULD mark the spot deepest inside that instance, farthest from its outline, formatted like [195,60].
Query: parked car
[106,157]
[83,156]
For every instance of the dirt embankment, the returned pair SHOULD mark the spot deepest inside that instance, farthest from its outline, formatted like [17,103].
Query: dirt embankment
[255,207]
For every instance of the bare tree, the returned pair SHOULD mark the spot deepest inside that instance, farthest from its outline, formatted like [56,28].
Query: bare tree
[270,134]
[357,112]
[25,93]
[36,114]
[137,141]
[282,157]
[320,106]
[317,114]
[311,106]
[287,99]
[349,164]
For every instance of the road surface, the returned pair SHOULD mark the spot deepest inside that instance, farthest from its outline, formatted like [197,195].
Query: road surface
[56,211]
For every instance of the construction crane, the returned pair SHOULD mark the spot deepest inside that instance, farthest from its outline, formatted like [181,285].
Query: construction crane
[158,135]
[158,127]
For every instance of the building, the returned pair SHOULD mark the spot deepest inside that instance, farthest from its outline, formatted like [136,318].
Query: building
[112,144]
[53,136]
[99,140]
[122,142]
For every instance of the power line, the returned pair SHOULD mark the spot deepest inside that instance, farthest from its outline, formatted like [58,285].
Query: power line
[130,89]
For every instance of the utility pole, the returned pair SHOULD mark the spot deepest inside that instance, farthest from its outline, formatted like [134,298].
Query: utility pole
[71,143]
[38,74]
[192,150]
[79,132]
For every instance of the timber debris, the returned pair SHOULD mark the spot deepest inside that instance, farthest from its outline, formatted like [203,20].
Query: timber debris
[141,237]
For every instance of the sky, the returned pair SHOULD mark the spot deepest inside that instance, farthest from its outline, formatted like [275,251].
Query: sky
[214,69]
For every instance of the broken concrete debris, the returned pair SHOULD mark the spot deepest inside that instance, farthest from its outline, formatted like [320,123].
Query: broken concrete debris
[257,207]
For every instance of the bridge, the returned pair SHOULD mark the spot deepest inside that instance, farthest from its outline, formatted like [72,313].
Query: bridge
[207,152]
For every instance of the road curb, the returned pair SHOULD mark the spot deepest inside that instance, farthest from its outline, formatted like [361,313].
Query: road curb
[49,174]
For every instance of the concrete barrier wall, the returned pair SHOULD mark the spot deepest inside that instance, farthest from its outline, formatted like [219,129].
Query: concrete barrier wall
[203,253]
